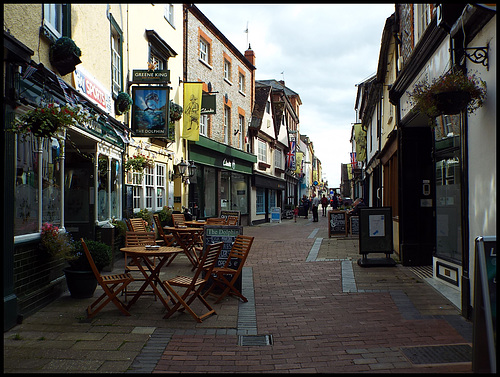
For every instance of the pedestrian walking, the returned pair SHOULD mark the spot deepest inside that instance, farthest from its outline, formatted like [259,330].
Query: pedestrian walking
[296,213]
[315,205]
[305,204]
[334,202]
[324,204]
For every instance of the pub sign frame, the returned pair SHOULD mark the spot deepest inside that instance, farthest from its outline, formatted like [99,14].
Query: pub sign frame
[151,111]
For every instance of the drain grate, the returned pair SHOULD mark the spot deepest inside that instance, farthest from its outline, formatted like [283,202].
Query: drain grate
[255,340]
[459,353]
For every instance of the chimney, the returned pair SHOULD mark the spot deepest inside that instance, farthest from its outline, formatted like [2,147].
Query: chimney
[250,55]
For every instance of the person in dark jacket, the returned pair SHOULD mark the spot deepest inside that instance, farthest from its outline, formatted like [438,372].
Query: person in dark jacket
[305,204]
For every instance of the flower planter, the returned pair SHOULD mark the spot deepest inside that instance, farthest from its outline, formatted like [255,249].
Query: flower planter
[81,284]
[450,103]
[40,130]
[66,65]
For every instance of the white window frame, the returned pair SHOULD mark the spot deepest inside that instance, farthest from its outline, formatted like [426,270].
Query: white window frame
[116,66]
[203,124]
[227,123]
[241,125]
[278,159]
[262,150]
[161,189]
[241,82]
[169,14]
[53,18]
[204,51]
[422,17]
[227,70]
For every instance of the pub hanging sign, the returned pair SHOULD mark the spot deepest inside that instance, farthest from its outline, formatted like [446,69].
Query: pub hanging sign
[150,111]
[151,77]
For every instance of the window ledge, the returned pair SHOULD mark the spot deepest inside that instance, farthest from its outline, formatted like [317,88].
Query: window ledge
[205,63]
[243,94]
[263,166]
[227,81]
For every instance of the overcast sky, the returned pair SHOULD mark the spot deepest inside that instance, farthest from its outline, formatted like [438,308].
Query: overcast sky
[323,50]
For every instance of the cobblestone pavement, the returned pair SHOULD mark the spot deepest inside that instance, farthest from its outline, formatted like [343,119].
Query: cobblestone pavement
[311,309]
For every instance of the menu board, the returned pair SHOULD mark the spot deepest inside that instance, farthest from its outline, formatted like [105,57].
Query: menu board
[337,223]
[354,228]
[375,230]
[226,234]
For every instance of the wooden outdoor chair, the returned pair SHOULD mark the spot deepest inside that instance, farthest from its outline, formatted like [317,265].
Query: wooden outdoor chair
[178,219]
[137,225]
[225,277]
[193,285]
[138,239]
[166,239]
[111,285]
[232,220]
[216,221]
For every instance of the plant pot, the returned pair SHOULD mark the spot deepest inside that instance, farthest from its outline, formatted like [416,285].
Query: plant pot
[81,284]
[36,130]
[450,103]
[66,65]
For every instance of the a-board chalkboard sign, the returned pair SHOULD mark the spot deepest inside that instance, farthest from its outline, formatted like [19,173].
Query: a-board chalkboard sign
[337,223]
[275,214]
[375,230]
[224,214]
[485,304]
[226,234]
[354,224]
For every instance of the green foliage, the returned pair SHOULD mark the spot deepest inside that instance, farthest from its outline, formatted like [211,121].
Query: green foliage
[56,243]
[101,254]
[423,95]
[62,48]
[123,103]
[138,163]
[165,216]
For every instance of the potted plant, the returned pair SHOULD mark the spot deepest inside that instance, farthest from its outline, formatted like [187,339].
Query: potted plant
[80,279]
[175,112]
[48,119]
[138,163]
[449,94]
[64,55]
[165,216]
[123,103]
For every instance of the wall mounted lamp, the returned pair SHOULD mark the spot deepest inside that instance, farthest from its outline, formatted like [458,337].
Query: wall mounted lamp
[182,168]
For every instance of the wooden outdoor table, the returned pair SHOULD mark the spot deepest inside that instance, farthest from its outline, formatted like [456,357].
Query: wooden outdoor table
[195,223]
[141,257]
[187,238]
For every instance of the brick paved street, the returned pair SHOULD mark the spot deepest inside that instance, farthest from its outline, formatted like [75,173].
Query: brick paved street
[320,311]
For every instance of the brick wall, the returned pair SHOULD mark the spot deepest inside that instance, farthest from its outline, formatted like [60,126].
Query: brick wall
[38,279]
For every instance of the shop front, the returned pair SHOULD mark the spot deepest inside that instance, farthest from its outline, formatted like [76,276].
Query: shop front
[269,193]
[221,181]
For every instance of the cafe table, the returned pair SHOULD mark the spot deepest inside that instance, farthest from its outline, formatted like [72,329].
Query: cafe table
[196,223]
[141,257]
[187,238]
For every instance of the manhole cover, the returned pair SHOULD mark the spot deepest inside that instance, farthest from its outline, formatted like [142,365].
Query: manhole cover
[459,353]
[255,340]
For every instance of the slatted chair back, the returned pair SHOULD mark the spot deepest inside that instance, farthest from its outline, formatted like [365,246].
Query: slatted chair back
[239,250]
[111,285]
[216,221]
[232,220]
[138,225]
[168,239]
[178,219]
[194,284]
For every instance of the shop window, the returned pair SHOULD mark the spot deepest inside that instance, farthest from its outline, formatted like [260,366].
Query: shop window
[260,201]
[102,191]
[272,199]
[115,186]
[210,193]
[29,153]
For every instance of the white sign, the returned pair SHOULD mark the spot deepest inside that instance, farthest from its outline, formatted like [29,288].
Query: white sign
[86,84]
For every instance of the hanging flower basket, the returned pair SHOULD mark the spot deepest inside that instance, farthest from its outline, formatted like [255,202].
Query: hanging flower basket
[175,112]
[123,103]
[138,163]
[449,94]
[49,119]
[64,55]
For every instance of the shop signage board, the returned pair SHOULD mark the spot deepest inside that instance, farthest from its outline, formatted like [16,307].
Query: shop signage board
[150,111]
[337,223]
[275,214]
[151,77]
[224,214]
[485,304]
[208,105]
[375,235]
